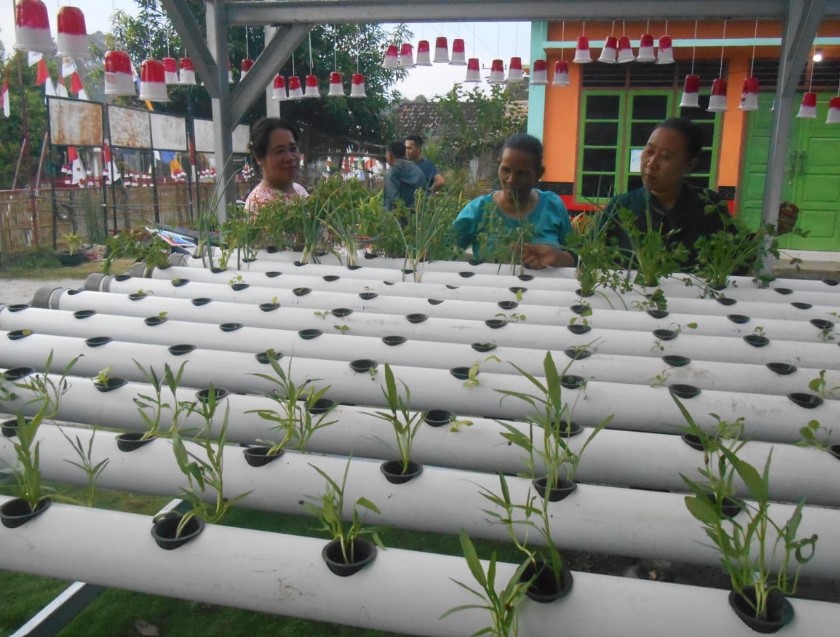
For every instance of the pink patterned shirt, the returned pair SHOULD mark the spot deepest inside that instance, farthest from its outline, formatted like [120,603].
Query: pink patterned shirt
[262,195]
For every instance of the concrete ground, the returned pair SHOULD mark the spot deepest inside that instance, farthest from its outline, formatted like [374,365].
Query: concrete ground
[22,290]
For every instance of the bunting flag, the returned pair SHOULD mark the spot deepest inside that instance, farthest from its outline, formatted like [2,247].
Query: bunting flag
[77,169]
[49,87]
[4,99]
[76,85]
[68,66]
[34,57]
[112,173]
[42,73]
[60,89]
[82,95]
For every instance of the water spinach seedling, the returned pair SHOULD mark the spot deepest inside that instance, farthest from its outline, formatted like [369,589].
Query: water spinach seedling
[404,422]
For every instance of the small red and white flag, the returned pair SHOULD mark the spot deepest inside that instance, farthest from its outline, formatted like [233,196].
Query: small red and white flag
[60,89]
[68,66]
[77,169]
[112,173]
[4,99]
[42,73]
[33,57]
[76,85]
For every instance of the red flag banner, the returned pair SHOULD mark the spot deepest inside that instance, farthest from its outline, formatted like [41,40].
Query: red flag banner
[76,83]
[42,72]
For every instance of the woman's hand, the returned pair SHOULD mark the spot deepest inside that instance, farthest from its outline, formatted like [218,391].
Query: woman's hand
[538,256]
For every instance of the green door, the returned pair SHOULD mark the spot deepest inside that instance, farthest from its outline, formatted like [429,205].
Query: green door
[812,175]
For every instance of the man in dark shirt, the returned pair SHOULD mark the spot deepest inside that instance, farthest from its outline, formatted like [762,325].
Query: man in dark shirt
[403,178]
[414,152]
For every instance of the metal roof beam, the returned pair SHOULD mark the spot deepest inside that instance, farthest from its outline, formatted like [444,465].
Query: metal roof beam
[253,12]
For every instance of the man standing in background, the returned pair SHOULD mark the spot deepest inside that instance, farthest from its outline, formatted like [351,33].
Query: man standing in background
[414,152]
[403,178]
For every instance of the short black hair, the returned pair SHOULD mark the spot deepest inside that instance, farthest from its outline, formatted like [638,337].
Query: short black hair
[261,134]
[527,144]
[417,139]
[397,148]
[691,132]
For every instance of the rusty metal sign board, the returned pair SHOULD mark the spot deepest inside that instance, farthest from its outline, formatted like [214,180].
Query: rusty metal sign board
[75,122]
[204,140]
[129,127]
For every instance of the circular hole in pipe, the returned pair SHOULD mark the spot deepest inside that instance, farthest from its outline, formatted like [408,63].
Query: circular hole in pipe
[83,314]
[452,287]
[264,358]
[177,283]
[362,365]
[202,300]
[181,349]
[137,296]
[518,289]
[580,309]
[577,353]
[203,395]
[738,319]
[822,324]
[301,291]
[416,318]
[495,324]
[466,275]
[434,301]
[757,340]
[154,321]
[217,270]
[341,312]
[526,277]
[230,327]
[831,282]
[783,369]
[658,314]
[726,301]
[367,296]
[98,341]
[461,373]
[16,373]
[393,341]
[322,406]
[483,347]
[675,360]
[439,417]
[309,334]
[273,274]
[805,400]
[569,429]
[329,278]
[508,305]
[74,292]
[269,307]
[684,391]
[783,291]
[571,381]
[122,277]
[388,282]
[578,329]
[801,306]
[354,267]
[665,335]
[110,384]
[238,287]
[16,335]
[693,441]
[20,307]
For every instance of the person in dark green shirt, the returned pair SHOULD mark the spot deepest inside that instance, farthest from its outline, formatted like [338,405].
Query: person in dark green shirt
[682,212]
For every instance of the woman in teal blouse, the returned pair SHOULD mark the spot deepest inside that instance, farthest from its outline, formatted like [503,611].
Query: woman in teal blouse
[517,204]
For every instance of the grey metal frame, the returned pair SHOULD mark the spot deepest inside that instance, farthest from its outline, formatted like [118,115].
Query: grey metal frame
[290,20]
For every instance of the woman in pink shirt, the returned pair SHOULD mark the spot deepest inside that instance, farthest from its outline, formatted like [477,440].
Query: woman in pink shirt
[274,144]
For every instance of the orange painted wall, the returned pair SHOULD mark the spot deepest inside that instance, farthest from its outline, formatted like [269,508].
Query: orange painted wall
[562,106]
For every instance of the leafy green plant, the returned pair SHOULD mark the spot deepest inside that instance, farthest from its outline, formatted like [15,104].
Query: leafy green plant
[819,385]
[403,421]
[552,415]
[475,370]
[815,435]
[598,259]
[46,394]
[85,455]
[73,241]
[207,472]
[501,241]
[749,548]
[136,244]
[151,407]
[295,419]
[532,515]
[328,508]
[342,328]
[503,606]
[651,252]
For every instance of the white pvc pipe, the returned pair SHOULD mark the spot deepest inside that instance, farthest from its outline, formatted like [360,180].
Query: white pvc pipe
[400,591]
[626,369]
[594,518]
[478,446]
[539,306]
[633,406]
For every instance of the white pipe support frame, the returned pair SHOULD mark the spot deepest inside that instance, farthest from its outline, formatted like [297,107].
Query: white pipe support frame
[400,591]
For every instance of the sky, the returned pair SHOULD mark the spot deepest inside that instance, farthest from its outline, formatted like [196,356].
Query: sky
[484,40]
